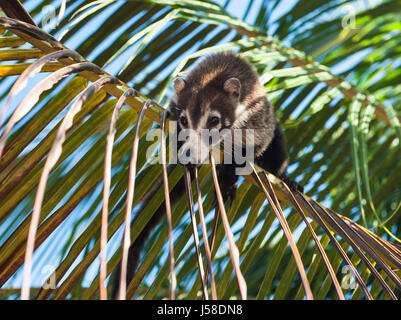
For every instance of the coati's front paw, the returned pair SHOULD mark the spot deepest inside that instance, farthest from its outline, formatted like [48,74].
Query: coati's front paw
[294,186]
[228,182]
[228,192]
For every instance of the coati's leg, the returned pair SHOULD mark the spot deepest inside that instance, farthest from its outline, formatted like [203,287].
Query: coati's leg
[228,180]
[275,159]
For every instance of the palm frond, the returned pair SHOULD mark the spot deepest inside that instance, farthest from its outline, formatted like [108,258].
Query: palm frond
[343,130]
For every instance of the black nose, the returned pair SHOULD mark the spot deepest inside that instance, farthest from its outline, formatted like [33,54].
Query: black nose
[188,153]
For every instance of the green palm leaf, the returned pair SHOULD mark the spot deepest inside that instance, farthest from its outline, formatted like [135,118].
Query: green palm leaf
[341,120]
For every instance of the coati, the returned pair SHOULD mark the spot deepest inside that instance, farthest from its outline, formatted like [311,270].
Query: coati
[221,92]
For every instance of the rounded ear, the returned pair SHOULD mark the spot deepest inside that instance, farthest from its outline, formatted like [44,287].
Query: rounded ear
[178,84]
[232,86]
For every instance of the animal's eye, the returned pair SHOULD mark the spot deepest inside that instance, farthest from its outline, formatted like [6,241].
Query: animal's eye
[183,121]
[213,121]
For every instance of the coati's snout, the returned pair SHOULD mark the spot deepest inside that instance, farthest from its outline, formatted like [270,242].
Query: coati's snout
[194,149]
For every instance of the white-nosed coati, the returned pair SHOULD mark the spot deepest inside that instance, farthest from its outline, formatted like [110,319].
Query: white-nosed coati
[221,92]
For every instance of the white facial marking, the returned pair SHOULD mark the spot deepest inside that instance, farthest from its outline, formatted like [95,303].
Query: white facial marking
[184,114]
[214,113]
[202,124]
[241,116]
[239,110]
